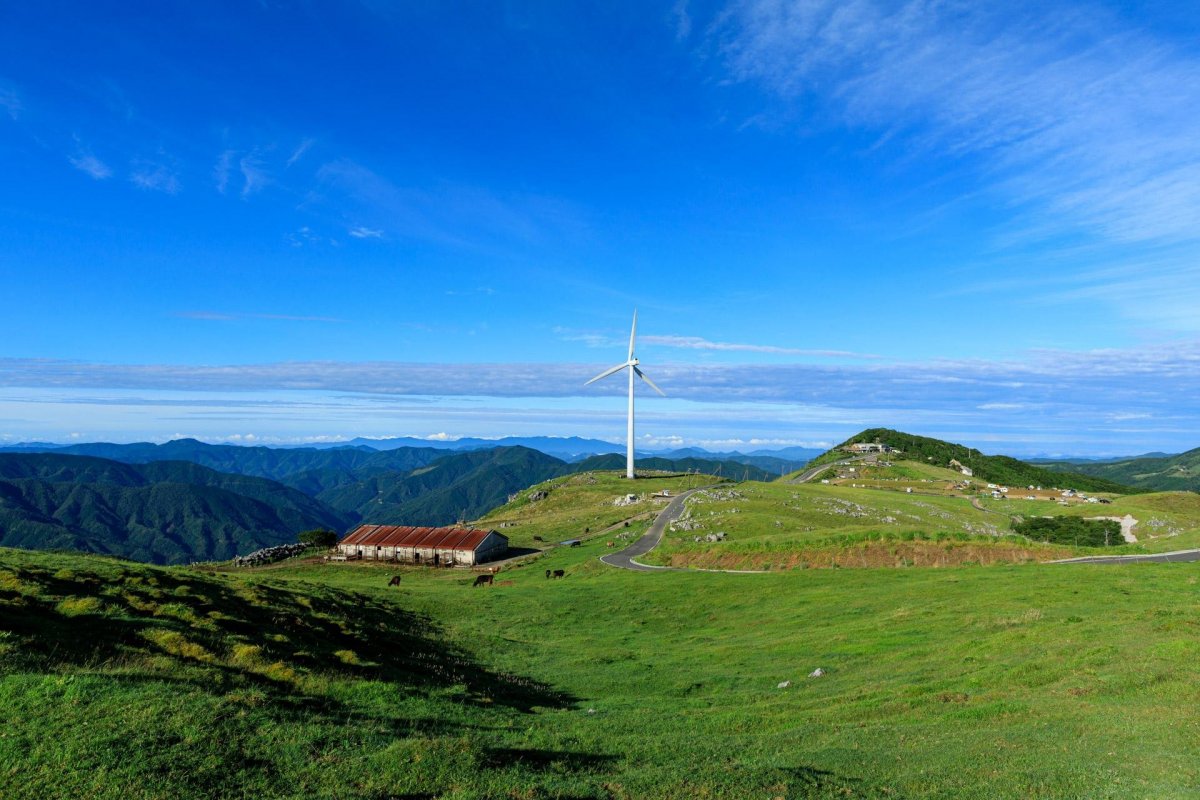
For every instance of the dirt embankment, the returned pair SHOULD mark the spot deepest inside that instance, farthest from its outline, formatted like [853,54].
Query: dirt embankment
[872,554]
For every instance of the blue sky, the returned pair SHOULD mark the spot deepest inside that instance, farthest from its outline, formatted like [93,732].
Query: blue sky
[282,222]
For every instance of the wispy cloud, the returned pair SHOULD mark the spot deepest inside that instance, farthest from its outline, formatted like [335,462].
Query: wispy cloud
[699,343]
[254,174]
[445,213]
[222,169]
[682,20]
[300,150]
[10,101]
[230,316]
[84,161]
[1091,120]
[1077,124]
[154,176]
[363,232]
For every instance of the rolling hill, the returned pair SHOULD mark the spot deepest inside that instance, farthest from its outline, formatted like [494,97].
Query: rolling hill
[995,469]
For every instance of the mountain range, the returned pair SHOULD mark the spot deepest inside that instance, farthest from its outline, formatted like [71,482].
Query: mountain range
[1153,471]
[186,500]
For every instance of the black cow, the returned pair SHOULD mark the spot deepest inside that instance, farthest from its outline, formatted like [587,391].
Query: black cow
[558,573]
[547,573]
[395,581]
[484,580]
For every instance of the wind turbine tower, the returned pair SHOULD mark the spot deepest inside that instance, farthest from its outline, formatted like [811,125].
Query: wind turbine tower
[632,364]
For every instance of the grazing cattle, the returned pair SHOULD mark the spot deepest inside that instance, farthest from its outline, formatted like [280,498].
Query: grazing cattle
[547,573]
[395,581]
[587,530]
[576,543]
[484,580]
[612,544]
[558,573]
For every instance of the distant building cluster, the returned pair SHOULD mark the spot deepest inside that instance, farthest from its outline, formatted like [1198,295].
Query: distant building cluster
[871,447]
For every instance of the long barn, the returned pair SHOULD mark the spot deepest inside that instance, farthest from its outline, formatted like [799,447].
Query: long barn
[416,545]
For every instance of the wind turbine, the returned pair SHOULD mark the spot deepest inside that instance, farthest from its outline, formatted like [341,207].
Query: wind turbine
[632,364]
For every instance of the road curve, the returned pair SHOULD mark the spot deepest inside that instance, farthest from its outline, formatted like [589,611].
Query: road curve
[650,539]
[1178,556]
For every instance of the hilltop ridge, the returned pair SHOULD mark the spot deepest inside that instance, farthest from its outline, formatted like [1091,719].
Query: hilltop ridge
[992,468]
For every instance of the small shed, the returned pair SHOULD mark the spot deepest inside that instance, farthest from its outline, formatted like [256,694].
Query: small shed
[450,546]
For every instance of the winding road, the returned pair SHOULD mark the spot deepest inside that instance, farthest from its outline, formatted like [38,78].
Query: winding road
[650,539]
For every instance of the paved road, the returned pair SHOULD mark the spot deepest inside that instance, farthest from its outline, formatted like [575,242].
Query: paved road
[650,539]
[1157,558]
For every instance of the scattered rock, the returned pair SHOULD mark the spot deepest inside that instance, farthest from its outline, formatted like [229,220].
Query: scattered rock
[784,685]
[267,555]
[817,673]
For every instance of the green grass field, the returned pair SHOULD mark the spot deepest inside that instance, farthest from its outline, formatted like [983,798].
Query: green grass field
[784,526]
[317,680]
[1166,520]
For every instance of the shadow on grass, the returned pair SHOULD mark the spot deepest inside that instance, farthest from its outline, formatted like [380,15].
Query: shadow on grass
[810,783]
[547,760]
[241,633]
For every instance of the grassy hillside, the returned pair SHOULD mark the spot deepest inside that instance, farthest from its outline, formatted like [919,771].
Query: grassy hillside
[1006,682]
[577,505]
[165,512]
[1165,520]
[994,469]
[126,681]
[780,526]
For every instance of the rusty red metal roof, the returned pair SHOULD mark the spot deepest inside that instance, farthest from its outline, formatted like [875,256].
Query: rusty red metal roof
[450,538]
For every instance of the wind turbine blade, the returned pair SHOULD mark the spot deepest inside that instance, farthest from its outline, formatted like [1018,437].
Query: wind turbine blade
[632,334]
[642,375]
[607,372]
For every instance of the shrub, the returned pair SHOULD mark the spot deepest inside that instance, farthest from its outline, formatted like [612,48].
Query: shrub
[1072,530]
[318,537]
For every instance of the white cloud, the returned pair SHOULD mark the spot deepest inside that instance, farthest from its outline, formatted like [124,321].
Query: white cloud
[254,176]
[363,232]
[154,176]
[300,150]
[88,163]
[222,169]
[699,343]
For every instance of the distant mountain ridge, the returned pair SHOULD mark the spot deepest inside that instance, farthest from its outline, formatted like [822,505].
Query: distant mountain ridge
[164,512]
[1151,472]
[567,448]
